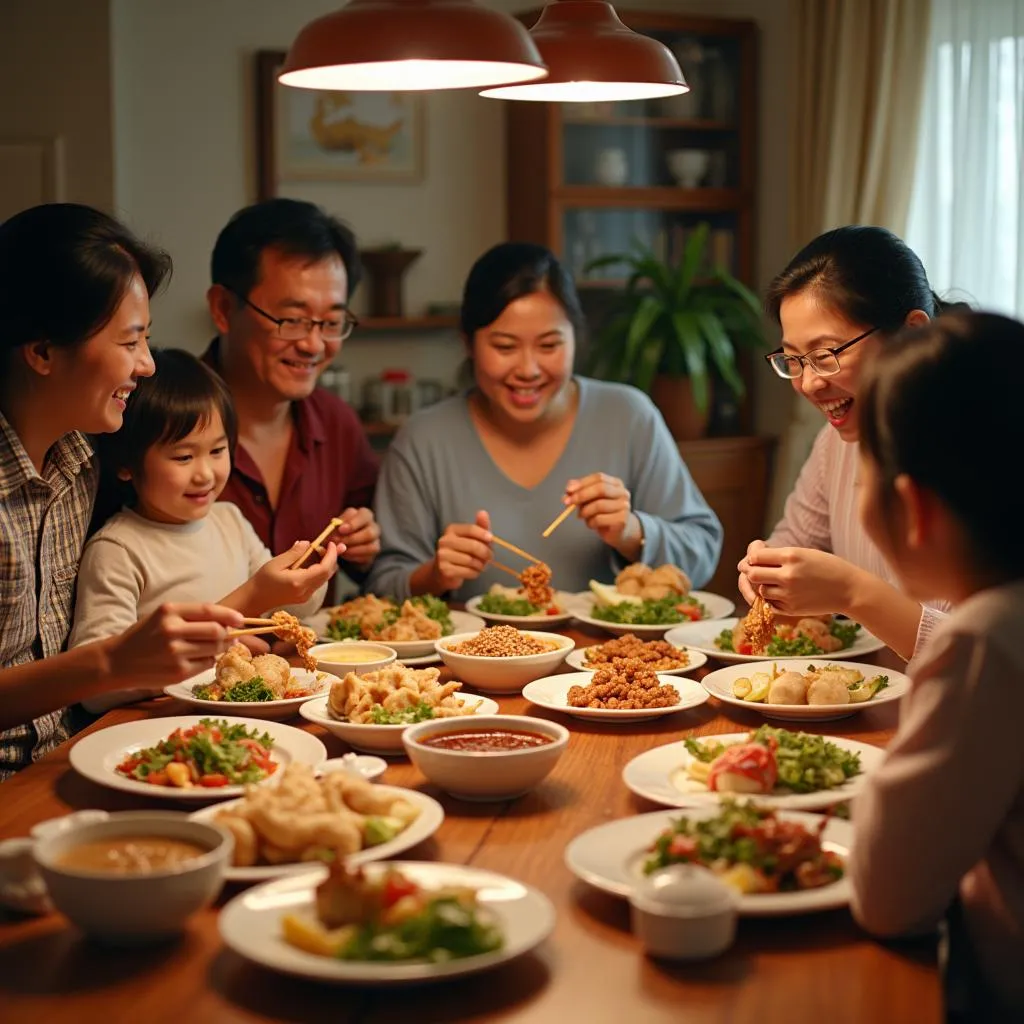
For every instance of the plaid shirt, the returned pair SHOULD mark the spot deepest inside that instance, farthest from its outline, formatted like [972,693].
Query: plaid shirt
[43,521]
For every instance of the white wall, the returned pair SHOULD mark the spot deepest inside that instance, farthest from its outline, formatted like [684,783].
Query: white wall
[184,160]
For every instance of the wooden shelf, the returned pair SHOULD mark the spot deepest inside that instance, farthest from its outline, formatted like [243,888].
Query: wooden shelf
[695,124]
[406,323]
[660,197]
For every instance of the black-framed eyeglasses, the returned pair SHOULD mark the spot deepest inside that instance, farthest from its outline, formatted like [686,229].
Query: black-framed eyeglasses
[295,328]
[823,361]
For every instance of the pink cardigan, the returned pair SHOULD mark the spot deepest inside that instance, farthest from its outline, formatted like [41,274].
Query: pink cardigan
[821,513]
[946,807]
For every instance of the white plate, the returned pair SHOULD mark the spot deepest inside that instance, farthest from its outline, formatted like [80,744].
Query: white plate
[426,824]
[552,692]
[577,660]
[251,925]
[572,603]
[660,775]
[377,739]
[719,685]
[611,856]
[701,637]
[270,709]
[717,608]
[97,756]
[405,649]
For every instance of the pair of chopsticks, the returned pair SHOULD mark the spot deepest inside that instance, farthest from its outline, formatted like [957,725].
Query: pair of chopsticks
[315,545]
[256,627]
[517,551]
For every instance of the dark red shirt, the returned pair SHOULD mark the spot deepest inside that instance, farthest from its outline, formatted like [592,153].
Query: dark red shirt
[330,466]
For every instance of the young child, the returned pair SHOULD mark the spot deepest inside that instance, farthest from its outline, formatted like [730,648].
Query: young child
[941,439]
[172,540]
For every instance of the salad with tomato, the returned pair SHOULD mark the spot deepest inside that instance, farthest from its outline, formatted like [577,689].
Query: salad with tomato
[212,753]
[751,848]
[652,612]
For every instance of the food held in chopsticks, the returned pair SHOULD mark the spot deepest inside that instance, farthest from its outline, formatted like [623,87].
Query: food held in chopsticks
[378,618]
[396,696]
[238,676]
[503,642]
[212,753]
[750,848]
[623,685]
[304,818]
[289,629]
[643,596]
[657,655]
[390,917]
[501,600]
[771,761]
[808,637]
[759,625]
[830,684]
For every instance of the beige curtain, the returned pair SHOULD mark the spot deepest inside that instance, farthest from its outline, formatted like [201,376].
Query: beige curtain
[856,93]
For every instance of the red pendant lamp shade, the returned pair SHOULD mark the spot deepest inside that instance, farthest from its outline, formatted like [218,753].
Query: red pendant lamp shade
[592,56]
[411,45]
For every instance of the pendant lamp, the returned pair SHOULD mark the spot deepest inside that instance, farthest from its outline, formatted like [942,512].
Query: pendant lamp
[411,45]
[593,57]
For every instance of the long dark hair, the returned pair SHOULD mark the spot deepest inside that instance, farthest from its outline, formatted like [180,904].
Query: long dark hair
[293,226]
[182,394]
[941,407]
[64,269]
[509,271]
[866,273]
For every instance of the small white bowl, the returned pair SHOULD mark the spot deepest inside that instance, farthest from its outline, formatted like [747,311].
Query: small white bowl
[503,675]
[501,775]
[683,912]
[364,765]
[134,907]
[378,739]
[339,657]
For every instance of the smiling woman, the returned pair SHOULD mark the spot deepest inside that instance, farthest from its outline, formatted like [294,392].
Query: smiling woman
[530,438]
[840,301]
[75,287]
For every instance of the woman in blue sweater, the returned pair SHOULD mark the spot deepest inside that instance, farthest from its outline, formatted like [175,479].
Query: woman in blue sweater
[527,439]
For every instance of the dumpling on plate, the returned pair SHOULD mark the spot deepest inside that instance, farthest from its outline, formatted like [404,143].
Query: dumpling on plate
[788,688]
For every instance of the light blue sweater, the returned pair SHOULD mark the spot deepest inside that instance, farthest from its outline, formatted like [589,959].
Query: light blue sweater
[437,471]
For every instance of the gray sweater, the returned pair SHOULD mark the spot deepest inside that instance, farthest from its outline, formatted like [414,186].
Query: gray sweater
[437,471]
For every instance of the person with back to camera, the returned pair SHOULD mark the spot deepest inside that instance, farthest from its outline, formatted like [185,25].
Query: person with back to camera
[75,287]
[528,438]
[841,300]
[944,813]
[283,273]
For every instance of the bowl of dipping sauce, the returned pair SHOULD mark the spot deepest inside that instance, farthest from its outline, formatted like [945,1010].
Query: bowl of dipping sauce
[343,656]
[135,876]
[488,757]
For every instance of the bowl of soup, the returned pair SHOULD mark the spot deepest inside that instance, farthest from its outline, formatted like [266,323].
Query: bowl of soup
[486,757]
[343,656]
[135,876]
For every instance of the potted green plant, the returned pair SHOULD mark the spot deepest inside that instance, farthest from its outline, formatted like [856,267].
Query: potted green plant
[672,327]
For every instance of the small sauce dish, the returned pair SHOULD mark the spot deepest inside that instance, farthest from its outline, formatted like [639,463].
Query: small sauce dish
[683,912]
[365,765]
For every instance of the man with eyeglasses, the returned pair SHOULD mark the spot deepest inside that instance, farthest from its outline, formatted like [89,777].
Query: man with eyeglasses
[283,272]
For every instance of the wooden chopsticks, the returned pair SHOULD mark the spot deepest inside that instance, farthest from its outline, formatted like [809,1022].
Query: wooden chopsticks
[504,568]
[561,518]
[518,551]
[329,528]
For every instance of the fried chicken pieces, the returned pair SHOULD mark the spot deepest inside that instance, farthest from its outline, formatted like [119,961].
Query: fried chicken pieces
[653,584]
[394,688]
[624,685]
[237,665]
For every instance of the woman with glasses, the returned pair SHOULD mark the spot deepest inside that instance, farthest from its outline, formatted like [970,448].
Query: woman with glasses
[283,274]
[527,439]
[840,300]
[75,286]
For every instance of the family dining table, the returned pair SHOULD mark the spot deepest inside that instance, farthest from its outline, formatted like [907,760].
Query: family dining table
[816,967]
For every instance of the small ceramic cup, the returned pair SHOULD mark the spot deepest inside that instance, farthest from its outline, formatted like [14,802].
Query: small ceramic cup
[683,912]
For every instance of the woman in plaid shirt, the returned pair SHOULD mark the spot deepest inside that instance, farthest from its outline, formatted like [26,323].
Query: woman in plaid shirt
[74,289]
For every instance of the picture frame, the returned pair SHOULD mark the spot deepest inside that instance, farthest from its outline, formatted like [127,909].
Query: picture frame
[310,135]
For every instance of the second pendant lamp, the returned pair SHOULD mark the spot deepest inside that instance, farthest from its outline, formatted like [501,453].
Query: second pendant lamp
[593,57]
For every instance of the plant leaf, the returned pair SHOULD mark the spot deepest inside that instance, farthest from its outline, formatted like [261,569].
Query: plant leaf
[691,341]
[649,363]
[693,257]
[647,312]
[722,352]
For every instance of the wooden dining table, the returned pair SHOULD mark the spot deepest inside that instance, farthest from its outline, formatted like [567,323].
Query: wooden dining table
[817,967]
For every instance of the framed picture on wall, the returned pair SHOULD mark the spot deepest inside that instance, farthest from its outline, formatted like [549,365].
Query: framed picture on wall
[309,135]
